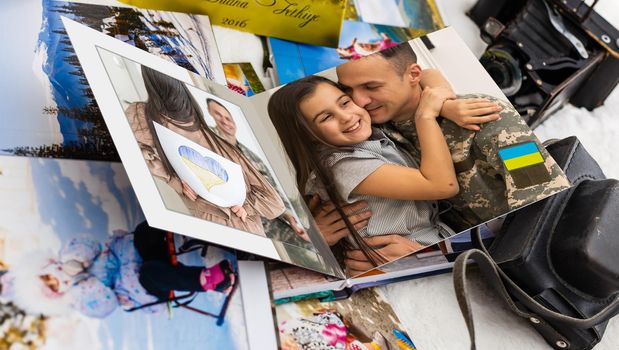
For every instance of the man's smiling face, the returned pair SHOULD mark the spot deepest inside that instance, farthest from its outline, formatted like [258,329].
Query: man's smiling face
[376,86]
[222,118]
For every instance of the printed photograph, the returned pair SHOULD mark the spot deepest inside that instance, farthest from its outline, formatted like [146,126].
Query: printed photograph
[62,118]
[426,148]
[81,269]
[242,79]
[364,321]
[400,13]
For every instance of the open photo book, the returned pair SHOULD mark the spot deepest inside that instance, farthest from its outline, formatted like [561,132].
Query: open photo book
[270,174]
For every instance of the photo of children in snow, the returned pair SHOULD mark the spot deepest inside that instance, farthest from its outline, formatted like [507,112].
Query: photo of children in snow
[76,250]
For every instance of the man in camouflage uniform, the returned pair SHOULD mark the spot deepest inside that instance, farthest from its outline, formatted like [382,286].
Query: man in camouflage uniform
[387,85]
[284,228]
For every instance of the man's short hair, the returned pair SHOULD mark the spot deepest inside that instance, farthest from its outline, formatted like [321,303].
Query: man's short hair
[212,100]
[400,57]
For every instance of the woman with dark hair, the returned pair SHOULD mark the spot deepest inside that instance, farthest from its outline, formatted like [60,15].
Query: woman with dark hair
[171,105]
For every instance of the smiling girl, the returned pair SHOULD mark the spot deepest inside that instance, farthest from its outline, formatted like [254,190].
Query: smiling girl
[339,155]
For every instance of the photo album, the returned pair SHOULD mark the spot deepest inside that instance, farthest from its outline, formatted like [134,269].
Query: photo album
[375,147]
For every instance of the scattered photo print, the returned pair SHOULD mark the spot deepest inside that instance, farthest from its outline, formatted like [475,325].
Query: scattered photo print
[62,118]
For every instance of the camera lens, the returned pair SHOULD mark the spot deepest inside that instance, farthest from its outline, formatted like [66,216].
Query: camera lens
[503,68]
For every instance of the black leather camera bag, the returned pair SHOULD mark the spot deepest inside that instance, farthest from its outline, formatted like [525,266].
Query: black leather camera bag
[556,262]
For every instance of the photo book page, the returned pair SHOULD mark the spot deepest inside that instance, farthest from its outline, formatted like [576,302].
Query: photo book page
[209,178]
[272,174]
[399,13]
[499,164]
[365,321]
[293,60]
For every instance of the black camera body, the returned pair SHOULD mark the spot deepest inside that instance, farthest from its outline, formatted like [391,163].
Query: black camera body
[545,53]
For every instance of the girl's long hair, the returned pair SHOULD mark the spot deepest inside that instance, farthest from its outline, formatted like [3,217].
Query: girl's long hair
[169,101]
[301,145]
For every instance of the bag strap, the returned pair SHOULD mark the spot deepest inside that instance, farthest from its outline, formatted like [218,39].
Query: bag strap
[498,280]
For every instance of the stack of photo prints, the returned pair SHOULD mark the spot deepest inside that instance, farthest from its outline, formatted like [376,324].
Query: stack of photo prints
[223,224]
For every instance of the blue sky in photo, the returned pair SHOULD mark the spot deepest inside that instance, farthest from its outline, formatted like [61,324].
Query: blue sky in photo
[71,209]
[294,61]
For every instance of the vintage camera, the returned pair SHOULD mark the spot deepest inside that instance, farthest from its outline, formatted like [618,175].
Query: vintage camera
[544,53]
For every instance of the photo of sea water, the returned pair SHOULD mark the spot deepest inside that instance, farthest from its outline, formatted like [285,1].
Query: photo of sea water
[48,109]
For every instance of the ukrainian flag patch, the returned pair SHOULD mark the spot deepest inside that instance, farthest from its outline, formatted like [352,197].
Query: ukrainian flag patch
[520,156]
[525,163]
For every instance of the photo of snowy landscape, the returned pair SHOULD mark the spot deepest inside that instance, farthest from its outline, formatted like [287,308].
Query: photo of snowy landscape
[51,203]
[48,109]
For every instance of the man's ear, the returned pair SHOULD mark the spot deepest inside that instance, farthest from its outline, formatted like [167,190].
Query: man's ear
[413,74]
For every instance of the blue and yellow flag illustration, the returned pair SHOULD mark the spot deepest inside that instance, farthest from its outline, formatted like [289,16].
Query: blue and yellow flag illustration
[520,156]
[525,163]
